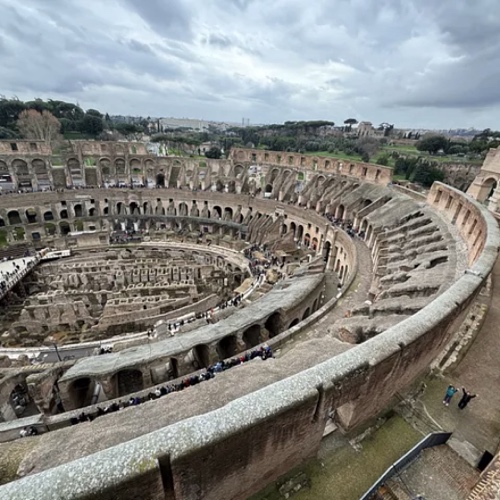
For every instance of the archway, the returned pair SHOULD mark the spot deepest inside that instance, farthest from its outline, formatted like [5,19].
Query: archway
[327,248]
[31,215]
[294,323]
[228,214]
[487,189]
[315,305]
[251,336]
[128,381]
[227,347]
[217,212]
[160,180]
[340,212]
[78,210]
[201,354]
[81,392]
[134,208]
[307,313]
[14,217]
[274,324]
[65,228]
[48,216]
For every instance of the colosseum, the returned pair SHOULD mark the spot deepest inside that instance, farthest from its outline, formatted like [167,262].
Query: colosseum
[187,329]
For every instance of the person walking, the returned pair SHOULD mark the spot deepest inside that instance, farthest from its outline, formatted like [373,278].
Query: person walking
[467,396]
[450,392]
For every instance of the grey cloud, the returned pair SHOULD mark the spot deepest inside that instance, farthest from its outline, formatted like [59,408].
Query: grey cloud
[383,60]
[168,18]
[219,40]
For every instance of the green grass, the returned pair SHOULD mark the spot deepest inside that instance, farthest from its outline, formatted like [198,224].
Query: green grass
[340,155]
[345,474]
[413,151]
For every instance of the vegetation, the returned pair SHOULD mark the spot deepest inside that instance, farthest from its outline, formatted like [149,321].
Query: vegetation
[43,126]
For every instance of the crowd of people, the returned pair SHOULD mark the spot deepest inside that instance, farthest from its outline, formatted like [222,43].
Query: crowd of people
[346,225]
[12,276]
[263,352]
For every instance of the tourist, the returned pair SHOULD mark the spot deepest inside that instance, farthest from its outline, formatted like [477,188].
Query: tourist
[450,392]
[467,396]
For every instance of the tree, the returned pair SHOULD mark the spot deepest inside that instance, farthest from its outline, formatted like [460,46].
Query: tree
[42,126]
[7,133]
[93,112]
[9,112]
[383,159]
[214,152]
[91,125]
[433,144]
[350,122]
[365,157]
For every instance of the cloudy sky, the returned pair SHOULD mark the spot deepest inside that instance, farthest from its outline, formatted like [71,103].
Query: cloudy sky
[414,63]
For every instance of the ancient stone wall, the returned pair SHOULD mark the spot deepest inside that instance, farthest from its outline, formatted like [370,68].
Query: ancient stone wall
[233,451]
[365,171]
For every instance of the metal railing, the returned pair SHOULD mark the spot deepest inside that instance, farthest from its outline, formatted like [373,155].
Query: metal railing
[434,439]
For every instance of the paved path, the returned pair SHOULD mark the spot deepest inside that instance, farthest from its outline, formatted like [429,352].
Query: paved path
[479,423]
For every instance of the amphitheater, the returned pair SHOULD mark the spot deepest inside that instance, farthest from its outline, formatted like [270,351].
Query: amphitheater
[177,264]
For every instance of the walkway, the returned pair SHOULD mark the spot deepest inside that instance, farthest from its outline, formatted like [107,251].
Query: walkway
[477,427]
[13,271]
[357,294]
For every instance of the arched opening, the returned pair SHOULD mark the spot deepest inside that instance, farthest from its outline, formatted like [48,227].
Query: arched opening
[217,212]
[48,216]
[228,214]
[2,222]
[65,228]
[327,248]
[201,354]
[294,323]
[315,305]
[160,180]
[14,217]
[78,210]
[31,215]
[300,232]
[268,191]
[92,212]
[134,208]
[307,313]
[128,381]
[274,324]
[50,229]
[340,212]
[315,243]
[367,203]
[238,170]
[81,392]
[183,210]
[307,239]
[293,228]
[251,336]
[487,189]
[63,214]
[227,347]
[173,368]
